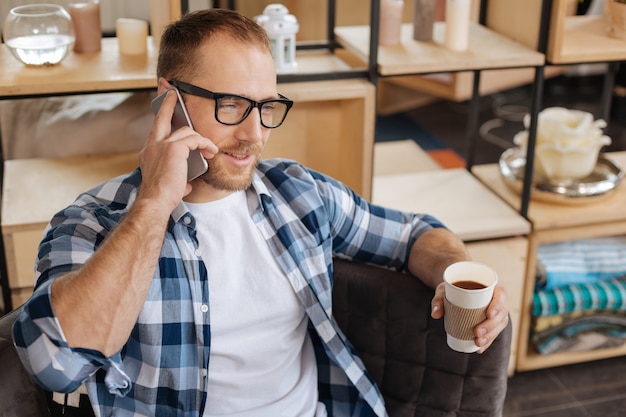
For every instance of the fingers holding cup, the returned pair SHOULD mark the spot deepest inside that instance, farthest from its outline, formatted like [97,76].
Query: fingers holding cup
[469,289]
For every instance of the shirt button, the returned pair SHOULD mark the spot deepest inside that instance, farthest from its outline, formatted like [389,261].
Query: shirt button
[187,220]
[198,252]
[203,372]
[204,308]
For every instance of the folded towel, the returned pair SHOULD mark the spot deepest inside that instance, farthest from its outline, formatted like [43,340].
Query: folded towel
[609,294]
[578,332]
[581,261]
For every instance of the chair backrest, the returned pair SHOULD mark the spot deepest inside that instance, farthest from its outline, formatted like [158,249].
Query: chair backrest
[386,316]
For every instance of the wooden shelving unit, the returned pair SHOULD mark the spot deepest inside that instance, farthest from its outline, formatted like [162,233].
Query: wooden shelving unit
[570,40]
[330,128]
[554,223]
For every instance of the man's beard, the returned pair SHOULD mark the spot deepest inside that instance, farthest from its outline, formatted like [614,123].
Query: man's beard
[218,177]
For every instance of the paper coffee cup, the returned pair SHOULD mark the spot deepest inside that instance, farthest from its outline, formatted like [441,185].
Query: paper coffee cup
[469,289]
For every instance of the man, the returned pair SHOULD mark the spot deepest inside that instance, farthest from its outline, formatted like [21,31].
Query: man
[214,297]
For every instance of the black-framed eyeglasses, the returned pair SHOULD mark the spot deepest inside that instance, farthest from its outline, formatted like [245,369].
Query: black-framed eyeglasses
[231,109]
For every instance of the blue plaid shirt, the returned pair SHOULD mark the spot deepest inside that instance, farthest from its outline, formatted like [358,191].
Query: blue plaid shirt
[306,217]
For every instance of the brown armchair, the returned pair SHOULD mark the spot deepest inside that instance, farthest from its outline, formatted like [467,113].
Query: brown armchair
[386,315]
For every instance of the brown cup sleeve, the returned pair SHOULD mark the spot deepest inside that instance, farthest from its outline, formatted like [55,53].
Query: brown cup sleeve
[459,322]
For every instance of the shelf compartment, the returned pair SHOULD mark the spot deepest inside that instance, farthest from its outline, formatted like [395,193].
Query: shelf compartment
[28,182]
[584,39]
[455,86]
[572,39]
[487,50]
[331,129]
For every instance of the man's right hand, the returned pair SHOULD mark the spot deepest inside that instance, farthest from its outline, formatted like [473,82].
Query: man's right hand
[163,160]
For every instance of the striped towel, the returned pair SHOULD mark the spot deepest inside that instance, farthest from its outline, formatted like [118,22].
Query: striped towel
[582,261]
[609,294]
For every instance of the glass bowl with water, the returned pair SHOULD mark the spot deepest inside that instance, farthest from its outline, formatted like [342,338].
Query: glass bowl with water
[38,34]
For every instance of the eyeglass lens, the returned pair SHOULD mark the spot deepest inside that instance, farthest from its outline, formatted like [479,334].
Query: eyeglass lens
[233,109]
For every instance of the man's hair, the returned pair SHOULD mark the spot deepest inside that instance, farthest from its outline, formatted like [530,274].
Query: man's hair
[182,40]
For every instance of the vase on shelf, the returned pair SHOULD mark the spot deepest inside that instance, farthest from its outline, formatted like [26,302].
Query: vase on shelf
[160,17]
[390,30]
[87,28]
[616,10]
[457,24]
[423,19]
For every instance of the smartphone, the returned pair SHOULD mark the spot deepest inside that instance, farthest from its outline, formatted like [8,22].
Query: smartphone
[196,164]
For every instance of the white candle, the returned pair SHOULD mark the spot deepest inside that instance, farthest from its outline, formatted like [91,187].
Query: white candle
[159,19]
[86,20]
[132,36]
[457,24]
[390,22]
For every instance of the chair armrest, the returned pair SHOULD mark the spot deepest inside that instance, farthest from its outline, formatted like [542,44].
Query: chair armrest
[386,316]
[19,395]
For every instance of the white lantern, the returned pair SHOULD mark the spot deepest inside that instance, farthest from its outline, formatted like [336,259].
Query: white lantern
[281,27]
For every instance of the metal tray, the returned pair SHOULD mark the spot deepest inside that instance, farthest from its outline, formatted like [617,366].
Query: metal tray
[604,178]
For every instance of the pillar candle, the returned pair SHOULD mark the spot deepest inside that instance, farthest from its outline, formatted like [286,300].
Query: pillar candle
[423,19]
[457,24]
[86,21]
[159,19]
[390,29]
[132,36]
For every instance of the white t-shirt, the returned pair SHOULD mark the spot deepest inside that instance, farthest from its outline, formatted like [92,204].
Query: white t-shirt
[262,361]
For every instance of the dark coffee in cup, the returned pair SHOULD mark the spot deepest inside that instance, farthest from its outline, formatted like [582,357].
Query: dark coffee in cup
[469,285]
[469,289]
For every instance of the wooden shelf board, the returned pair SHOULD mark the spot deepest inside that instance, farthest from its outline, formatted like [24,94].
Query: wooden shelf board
[108,70]
[487,50]
[319,62]
[326,90]
[401,157]
[456,197]
[585,39]
[534,360]
[549,216]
